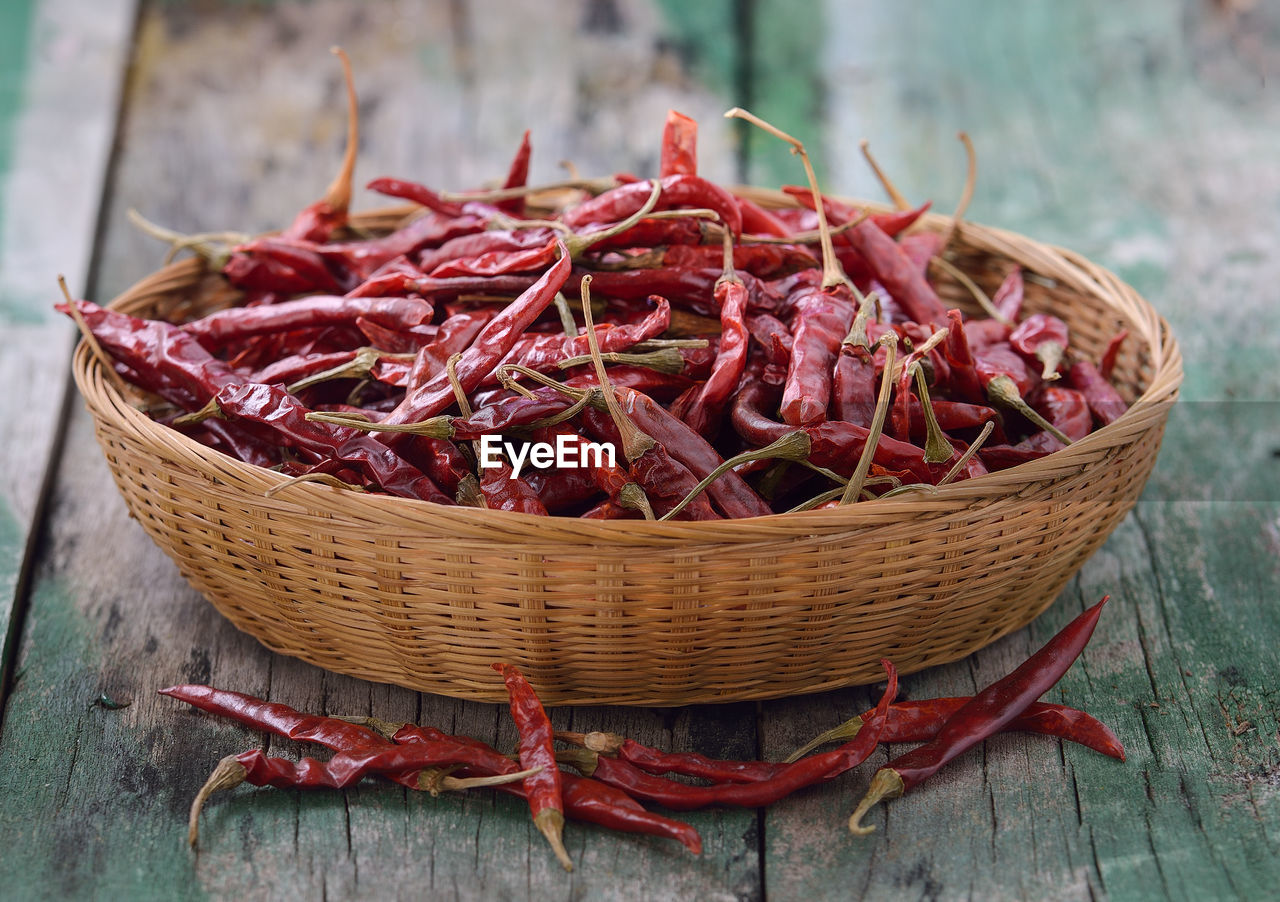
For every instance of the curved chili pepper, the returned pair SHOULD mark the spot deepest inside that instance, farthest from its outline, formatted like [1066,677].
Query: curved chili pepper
[477,244]
[1008,297]
[493,343]
[1001,360]
[679,146]
[963,382]
[454,336]
[983,715]
[584,799]
[1042,337]
[498,263]
[678,191]
[810,771]
[703,407]
[1104,401]
[730,492]
[758,221]
[536,750]
[271,408]
[348,767]
[505,491]
[821,322]
[1108,361]
[920,721]
[653,233]
[224,326]
[517,176]
[853,385]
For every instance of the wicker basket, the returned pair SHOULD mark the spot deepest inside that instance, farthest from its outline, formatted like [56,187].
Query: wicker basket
[629,612]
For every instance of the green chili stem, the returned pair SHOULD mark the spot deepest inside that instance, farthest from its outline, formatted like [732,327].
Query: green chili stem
[792,446]
[854,489]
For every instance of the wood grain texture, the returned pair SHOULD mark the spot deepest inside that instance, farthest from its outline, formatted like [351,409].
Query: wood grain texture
[1140,134]
[61,68]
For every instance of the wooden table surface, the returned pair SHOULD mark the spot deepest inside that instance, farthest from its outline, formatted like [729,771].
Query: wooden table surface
[1143,134]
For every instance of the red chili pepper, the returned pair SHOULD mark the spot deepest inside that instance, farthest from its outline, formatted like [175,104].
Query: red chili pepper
[454,336]
[224,326]
[562,490]
[504,491]
[1008,297]
[498,263]
[1001,360]
[679,146]
[678,191]
[517,177]
[1104,401]
[853,385]
[536,750]
[821,322]
[346,768]
[490,346]
[650,233]
[610,510]
[1042,337]
[964,382]
[609,478]
[282,416]
[758,221]
[362,258]
[764,261]
[1108,361]
[280,265]
[703,407]
[477,244]
[810,771]
[730,493]
[584,799]
[544,352]
[921,248]
[983,715]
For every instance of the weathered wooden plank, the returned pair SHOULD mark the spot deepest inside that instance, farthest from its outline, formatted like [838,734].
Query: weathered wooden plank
[60,73]
[236,121]
[1109,130]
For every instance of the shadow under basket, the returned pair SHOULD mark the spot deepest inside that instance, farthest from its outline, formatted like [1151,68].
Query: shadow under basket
[640,613]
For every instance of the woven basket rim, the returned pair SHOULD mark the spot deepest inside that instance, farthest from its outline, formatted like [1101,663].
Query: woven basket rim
[1063,265]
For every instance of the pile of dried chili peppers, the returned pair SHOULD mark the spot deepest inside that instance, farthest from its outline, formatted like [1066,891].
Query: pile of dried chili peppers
[614,774]
[733,361]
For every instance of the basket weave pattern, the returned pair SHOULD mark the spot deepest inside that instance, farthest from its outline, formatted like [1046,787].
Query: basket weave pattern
[629,612]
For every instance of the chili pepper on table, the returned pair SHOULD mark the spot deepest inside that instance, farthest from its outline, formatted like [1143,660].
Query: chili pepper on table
[689,764]
[536,750]
[981,716]
[810,771]
[584,799]
[920,721]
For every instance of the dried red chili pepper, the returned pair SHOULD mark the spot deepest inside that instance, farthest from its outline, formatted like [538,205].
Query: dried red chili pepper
[920,721]
[498,263]
[1108,361]
[517,177]
[678,191]
[505,491]
[821,322]
[703,406]
[1104,401]
[536,750]
[280,265]
[679,146]
[478,244]
[1008,297]
[562,490]
[983,715]
[1042,337]
[584,799]
[789,778]
[270,408]
[493,343]
[764,261]
[224,326]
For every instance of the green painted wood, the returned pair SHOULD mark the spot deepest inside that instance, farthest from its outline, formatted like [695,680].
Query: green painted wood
[60,72]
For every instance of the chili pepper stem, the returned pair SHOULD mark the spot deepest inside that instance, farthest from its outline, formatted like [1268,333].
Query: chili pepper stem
[899,200]
[972,287]
[229,774]
[937,449]
[440,781]
[202,243]
[1050,354]
[435,427]
[634,442]
[664,360]
[886,784]
[843,733]
[567,321]
[792,446]
[633,497]
[959,465]
[551,824]
[323,478]
[338,194]
[966,195]
[578,244]
[1002,390]
[832,274]
[358,367]
[854,487]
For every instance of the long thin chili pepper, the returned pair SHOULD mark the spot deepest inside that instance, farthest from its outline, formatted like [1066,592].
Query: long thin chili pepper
[822,321]
[817,769]
[584,799]
[983,715]
[920,721]
[220,328]
[536,750]
[1104,401]
[517,176]
[679,146]
[677,191]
